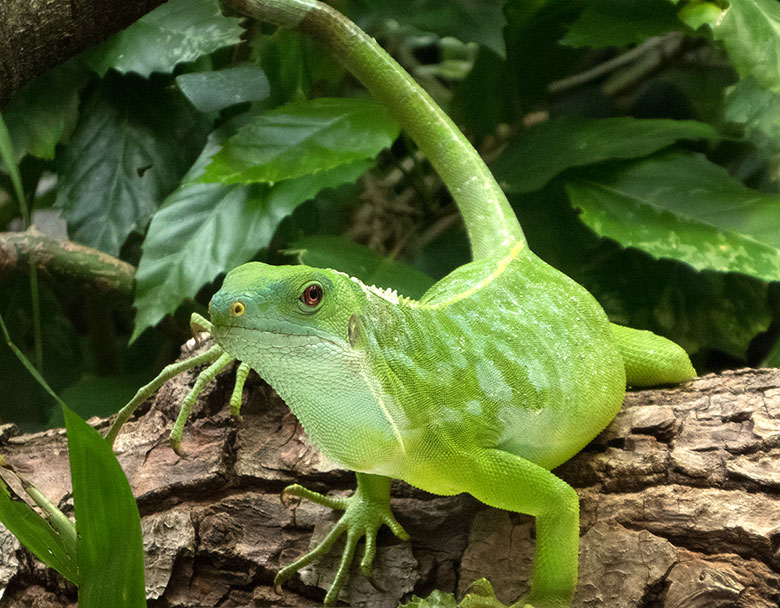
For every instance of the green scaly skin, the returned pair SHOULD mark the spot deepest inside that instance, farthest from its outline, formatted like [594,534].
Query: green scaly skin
[503,370]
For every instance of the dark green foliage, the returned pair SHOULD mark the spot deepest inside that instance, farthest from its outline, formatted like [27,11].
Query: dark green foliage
[112,174]
[526,164]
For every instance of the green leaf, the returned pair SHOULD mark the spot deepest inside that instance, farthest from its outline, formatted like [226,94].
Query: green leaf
[520,81]
[36,534]
[758,110]
[45,111]
[437,599]
[175,32]
[471,108]
[359,261]
[286,60]
[133,144]
[697,13]
[213,91]
[773,358]
[302,137]
[750,31]
[700,310]
[544,151]
[12,168]
[203,230]
[622,22]
[681,206]
[109,546]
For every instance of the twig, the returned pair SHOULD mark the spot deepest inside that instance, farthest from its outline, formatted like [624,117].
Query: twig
[613,64]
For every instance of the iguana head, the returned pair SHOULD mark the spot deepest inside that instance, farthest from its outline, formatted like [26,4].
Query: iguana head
[283,310]
[299,328]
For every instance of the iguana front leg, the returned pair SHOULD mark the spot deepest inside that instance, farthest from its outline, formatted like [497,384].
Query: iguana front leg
[364,513]
[214,355]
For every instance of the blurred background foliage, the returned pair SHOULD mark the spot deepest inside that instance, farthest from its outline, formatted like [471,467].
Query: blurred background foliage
[638,141]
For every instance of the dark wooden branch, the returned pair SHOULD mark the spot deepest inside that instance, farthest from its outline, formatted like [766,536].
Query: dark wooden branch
[36,35]
[680,503]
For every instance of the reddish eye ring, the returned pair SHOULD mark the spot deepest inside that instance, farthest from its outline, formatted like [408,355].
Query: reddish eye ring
[312,295]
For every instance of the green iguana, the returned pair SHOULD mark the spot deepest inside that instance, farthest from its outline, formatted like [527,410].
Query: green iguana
[502,371]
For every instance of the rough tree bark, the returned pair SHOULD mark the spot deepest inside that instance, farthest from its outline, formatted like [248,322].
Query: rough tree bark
[36,35]
[680,503]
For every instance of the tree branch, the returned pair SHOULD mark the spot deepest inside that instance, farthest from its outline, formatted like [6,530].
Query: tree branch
[67,262]
[36,35]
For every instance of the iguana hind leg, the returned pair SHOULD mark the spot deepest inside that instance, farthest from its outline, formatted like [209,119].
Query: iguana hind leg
[651,359]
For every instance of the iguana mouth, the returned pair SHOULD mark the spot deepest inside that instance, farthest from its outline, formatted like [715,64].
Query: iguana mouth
[292,339]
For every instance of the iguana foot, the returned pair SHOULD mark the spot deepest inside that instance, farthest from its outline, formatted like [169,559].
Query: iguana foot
[364,513]
[481,595]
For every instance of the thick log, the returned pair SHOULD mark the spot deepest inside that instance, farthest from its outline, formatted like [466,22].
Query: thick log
[680,507]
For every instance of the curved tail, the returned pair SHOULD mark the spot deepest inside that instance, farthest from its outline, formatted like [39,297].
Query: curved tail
[490,221]
[650,359]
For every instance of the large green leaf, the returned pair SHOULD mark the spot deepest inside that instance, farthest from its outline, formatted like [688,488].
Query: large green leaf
[621,22]
[203,230]
[109,546]
[36,534]
[134,142]
[45,111]
[212,91]
[750,31]
[681,206]
[300,138]
[543,151]
[359,261]
[700,310]
[175,32]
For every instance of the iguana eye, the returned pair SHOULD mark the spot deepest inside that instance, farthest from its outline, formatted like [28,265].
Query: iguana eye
[237,309]
[312,295]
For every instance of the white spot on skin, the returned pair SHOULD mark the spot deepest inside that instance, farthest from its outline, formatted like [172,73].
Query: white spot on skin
[474,408]
[492,382]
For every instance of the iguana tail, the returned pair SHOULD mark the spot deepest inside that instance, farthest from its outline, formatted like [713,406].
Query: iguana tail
[491,223]
[650,359]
